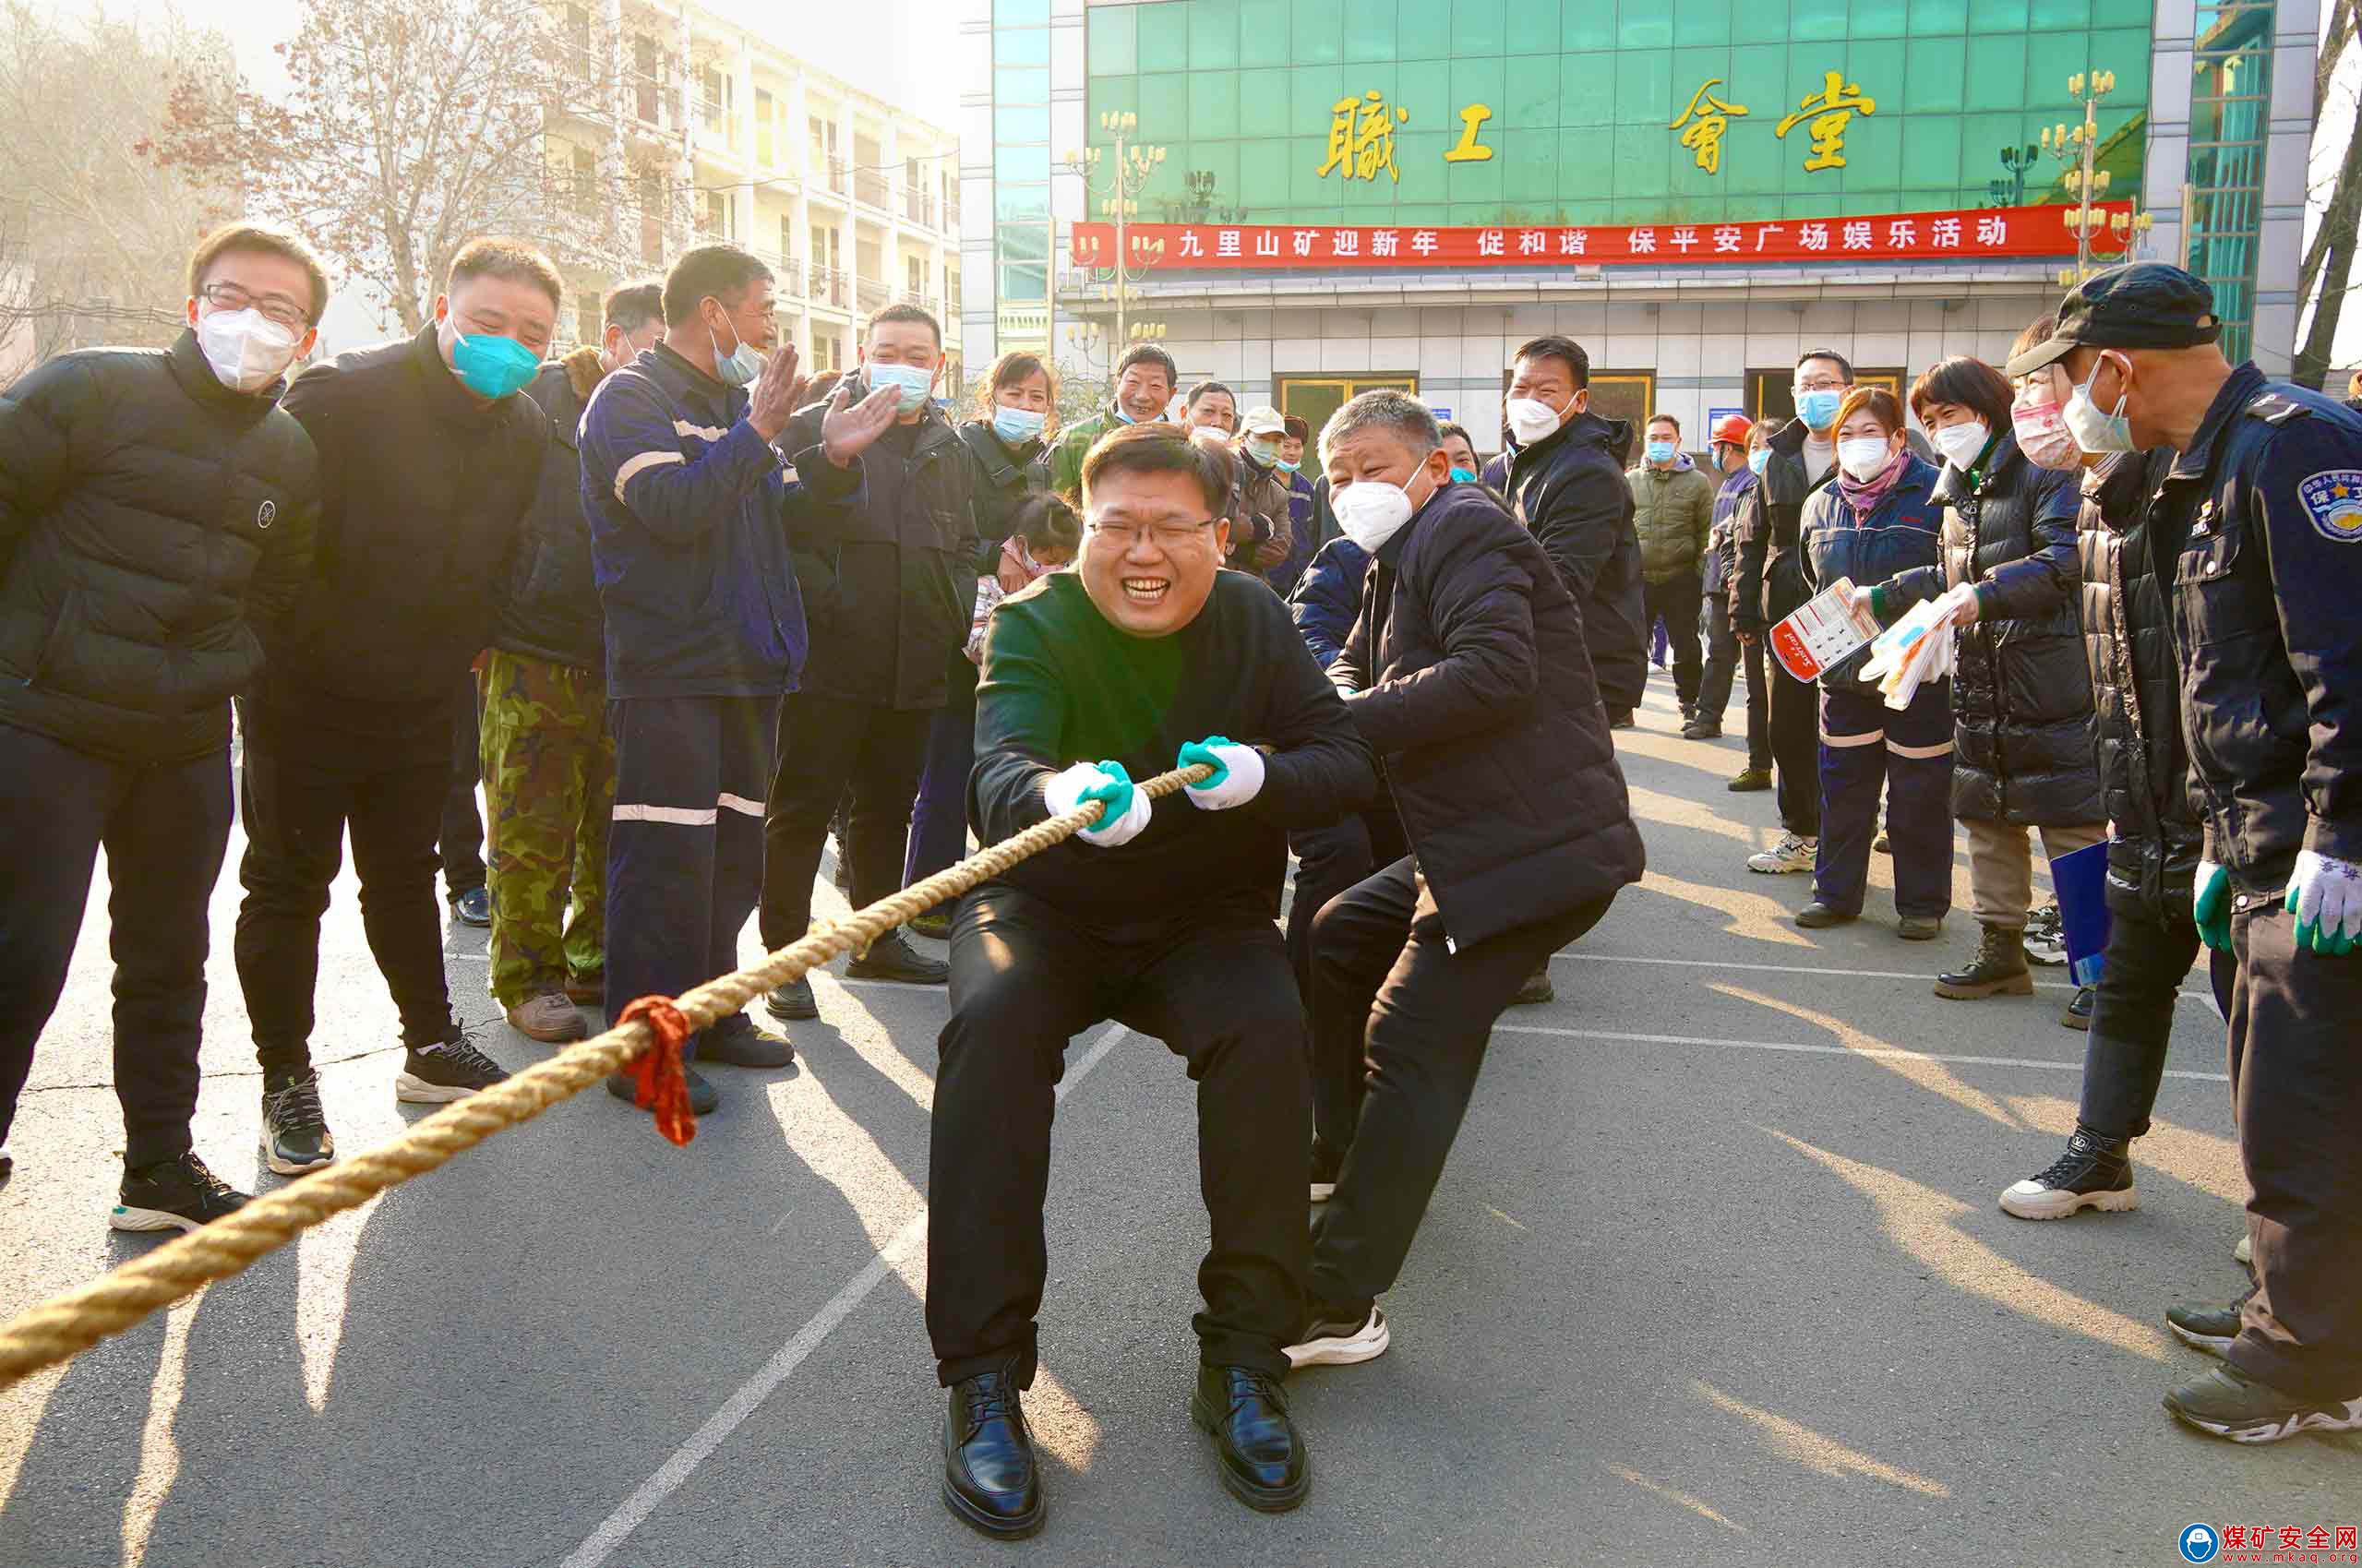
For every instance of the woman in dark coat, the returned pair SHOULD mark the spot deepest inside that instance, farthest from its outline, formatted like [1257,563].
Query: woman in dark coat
[1875,519]
[2021,692]
[1006,442]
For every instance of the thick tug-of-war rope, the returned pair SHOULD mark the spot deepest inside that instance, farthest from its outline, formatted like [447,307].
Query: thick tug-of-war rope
[646,1041]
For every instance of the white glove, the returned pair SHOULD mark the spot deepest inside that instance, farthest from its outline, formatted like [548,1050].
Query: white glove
[2327,897]
[1959,606]
[1126,816]
[1238,772]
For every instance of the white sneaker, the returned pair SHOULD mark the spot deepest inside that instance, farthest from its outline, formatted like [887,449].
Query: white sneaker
[1790,855]
[2245,1252]
[1342,1345]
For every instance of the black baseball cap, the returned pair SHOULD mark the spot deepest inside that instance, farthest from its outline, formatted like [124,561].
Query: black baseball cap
[2145,305]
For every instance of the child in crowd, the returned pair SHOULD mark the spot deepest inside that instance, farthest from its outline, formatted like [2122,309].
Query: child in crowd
[1047,536]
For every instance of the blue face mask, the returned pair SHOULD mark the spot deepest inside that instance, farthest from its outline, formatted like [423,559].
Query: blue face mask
[490,366]
[1462,476]
[1287,467]
[1017,425]
[742,366]
[1661,451]
[1759,457]
[1819,410]
[912,382]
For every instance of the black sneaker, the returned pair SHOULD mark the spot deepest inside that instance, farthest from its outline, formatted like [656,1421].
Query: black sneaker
[450,1071]
[793,1000]
[1340,1336]
[2228,1403]
[702,1097]
[294,1131]
[177,1195]
[2078,1014]
[2207,1328]
[735,1041]
[472,907]
[2092,1174]
[891,957]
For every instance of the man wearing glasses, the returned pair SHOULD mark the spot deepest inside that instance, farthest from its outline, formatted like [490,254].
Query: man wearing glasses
[1771,587]
[156,516]
[1159,918]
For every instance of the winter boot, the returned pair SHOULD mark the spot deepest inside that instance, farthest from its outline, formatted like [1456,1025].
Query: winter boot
[1999,968]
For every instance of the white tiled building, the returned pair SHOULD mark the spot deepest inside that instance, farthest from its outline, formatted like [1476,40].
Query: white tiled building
[853,203]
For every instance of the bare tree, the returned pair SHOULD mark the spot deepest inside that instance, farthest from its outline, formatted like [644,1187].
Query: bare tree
[92,236]
[410,126]
[2325,277]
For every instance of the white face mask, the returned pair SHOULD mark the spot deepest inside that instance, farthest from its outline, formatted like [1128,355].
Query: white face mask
[1864,457]
[1372,512]
[247,348]
[1530,419]
[1961,443]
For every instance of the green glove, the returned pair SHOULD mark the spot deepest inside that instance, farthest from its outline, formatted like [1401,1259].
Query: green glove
[2211,906]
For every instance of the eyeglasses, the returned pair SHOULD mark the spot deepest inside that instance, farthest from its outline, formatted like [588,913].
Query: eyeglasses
[1821,384]
[277,308]
[1169,536]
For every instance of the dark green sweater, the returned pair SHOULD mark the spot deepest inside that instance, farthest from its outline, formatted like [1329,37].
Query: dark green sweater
[1062,686]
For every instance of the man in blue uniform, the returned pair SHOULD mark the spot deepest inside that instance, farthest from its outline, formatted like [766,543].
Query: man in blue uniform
[2259,521]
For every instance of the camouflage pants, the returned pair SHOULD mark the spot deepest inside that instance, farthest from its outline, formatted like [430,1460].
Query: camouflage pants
[549,790]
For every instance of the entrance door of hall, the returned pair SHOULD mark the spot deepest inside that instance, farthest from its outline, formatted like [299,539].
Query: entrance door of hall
[1314,397]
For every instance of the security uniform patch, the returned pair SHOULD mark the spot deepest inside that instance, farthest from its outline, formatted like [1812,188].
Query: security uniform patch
[2332,499]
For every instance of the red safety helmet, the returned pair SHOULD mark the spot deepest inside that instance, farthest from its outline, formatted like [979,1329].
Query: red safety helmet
[1733,428]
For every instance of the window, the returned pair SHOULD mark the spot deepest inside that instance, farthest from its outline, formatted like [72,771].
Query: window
[646,62]
[718,216]
[586,182]
[2229,113]
[786,236]
[587,325]
[1314,397]
[765,148]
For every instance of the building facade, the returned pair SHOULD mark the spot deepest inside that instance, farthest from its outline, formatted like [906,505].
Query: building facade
[1398,193]
[854,203]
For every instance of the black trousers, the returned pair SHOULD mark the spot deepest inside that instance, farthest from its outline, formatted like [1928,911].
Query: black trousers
[1796,749]
[165,829]
[1026,978]
[460,838]
[2124,1058]
[828,745]
[296,816]
[1329,860]
[1389,992]
[1677,601]
[2296,1084]
[1724,656]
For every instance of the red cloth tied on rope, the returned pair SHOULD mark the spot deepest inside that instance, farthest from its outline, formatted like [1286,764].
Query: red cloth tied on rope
[662,1087]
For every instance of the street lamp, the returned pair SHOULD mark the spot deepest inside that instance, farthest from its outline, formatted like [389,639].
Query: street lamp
[2076,146]
[1128,169]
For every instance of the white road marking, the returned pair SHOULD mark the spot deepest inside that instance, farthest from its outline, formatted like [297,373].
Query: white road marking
[651,1493]
[1809,969]
[1867,1055]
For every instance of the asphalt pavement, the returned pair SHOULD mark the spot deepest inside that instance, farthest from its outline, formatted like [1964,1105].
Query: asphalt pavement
[1715,1274]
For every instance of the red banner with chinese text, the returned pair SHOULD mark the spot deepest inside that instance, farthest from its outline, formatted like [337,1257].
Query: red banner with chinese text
[2009,232]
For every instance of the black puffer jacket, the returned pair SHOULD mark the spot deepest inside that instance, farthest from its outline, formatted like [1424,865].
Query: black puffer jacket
[888,579]
[2136,687]
[1569,490]
[1003,479]
[552,612]
[154,525]
[1473,685]
[1768,584]
[2021,697]
[424,494]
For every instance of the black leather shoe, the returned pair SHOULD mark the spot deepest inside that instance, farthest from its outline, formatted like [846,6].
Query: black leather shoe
[891,957]
[990,1480]
[1245,1412]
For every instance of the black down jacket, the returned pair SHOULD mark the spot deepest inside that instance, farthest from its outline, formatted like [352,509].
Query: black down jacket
[1003,479]
[1767,565]
[2136,688]
[154,524]
[552,611]
[889,579]
[2021,696]
[1568,489]
[1472,686]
